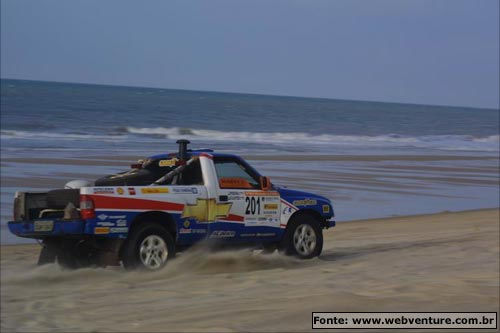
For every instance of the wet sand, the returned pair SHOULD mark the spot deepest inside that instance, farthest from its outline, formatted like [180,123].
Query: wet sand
[438,262]
[127,159]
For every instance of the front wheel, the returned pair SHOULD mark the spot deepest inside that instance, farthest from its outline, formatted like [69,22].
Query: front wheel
[303,238]
[149,247]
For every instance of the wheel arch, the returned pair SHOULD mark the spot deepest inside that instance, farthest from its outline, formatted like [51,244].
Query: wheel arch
[306,212]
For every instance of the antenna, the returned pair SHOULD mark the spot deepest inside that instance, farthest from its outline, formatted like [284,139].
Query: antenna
[182,155]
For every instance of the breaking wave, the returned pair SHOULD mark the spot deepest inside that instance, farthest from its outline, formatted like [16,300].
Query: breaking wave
[125,134]
[447,142]
[12,134]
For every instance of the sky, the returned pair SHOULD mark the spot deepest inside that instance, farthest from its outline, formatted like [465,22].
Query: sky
[443,52]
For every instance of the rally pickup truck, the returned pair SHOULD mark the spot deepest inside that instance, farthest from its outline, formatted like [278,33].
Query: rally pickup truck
[141,217]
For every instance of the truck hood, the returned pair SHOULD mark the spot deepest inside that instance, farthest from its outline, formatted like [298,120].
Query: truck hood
[289,194]
[306,200]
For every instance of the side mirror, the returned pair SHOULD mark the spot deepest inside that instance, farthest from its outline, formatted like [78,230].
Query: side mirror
[265,183]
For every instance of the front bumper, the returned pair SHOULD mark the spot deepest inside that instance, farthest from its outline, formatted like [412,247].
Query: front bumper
[59,228]
[330,224]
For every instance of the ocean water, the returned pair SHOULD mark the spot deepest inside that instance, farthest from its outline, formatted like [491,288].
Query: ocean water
[59,117]
[43,121]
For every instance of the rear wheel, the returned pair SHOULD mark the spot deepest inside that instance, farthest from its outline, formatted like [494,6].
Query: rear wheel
[70,254]
[303,238]
[74,254]
[149,247]
[61,251]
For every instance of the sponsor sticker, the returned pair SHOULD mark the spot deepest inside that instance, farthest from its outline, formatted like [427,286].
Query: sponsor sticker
[265,234]
[305,202]
[222,234]
[121,223]
[119,190]
[326,208]
[263,193]
[167,163]
[274,198]
[104,190]
[118,230]
[102,217]
[106,224]
[187,224]
[256,223]
[261,221]
[192,231]
[101,230]
[206,210]
[189,190]
[235,197]
[154,190]
[271,206]
[131,191]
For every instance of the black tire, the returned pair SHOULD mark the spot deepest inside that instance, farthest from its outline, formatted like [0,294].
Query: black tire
[131,252]
[66,259]
[69,256]
[303,222]
[58,199]
[60,251]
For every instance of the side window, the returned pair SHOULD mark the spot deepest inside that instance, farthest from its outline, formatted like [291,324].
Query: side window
[191,175]
[231,172]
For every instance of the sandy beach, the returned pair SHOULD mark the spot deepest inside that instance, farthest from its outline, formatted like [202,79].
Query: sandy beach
[438,262]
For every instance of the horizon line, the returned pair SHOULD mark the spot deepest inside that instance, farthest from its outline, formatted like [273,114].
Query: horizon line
[257,94]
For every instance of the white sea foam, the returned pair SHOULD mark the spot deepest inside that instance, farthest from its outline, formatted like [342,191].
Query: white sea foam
[447,142]
[443,142]
[12,134]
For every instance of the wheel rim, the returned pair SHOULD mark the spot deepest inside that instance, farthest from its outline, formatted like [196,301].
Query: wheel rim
[304,239]
[153,252]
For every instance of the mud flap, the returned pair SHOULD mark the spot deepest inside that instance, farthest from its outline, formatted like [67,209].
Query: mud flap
[48,253]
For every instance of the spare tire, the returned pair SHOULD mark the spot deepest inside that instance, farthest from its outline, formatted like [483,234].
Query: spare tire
[58,199]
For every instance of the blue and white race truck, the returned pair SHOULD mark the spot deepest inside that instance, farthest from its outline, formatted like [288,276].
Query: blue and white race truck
[166,203]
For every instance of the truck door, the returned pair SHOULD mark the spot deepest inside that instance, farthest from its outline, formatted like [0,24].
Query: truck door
[247,213]
[188,188]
